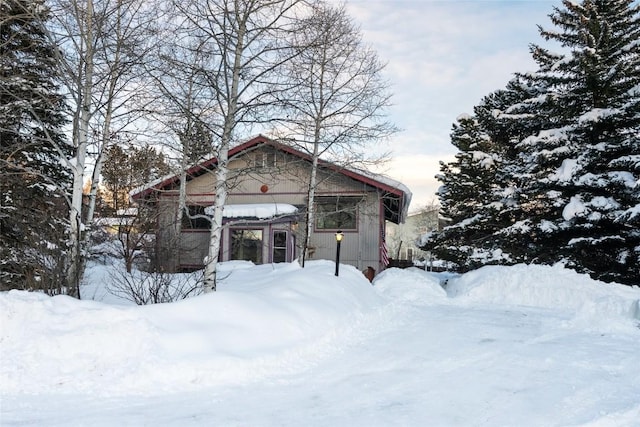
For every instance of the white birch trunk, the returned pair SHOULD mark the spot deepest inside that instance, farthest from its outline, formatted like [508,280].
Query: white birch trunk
[310,216]
[97,170]
[182,206]
[210,271]
[75,219]
[184,164]
[93,192]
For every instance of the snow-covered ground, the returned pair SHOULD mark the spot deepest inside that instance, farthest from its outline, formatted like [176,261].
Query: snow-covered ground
[278,345]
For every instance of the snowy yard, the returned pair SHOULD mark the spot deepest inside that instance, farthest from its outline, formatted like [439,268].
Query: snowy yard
[285,346]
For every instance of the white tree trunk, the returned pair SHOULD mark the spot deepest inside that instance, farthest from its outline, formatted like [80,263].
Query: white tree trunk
[176,247]
[310,216]
[210,271]
[82,133]
[97,170]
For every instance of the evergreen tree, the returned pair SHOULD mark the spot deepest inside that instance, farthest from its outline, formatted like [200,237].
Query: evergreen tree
[580,171]
[33,182]
[566,142]
[479,194]
[467,191]
[130,167]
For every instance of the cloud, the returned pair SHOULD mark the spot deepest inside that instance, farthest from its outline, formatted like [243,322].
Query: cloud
[443,57]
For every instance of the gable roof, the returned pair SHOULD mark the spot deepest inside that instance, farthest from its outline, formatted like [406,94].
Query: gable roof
[397,196]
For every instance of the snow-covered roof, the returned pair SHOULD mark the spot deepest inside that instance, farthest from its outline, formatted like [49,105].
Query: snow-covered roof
[113,221]
[255,210]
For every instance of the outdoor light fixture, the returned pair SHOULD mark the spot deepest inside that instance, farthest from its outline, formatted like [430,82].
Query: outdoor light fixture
[339,237]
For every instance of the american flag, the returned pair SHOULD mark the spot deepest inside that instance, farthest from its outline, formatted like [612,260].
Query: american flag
[384,253]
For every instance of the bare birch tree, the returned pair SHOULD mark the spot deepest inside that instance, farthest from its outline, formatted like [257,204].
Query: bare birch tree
[183,106]
[242,41]
[338,98]
[99,43]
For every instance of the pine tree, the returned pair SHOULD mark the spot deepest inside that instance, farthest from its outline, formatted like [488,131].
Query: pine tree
[128,167]
[580,171]
[33,182]
[479,194]
[464,195]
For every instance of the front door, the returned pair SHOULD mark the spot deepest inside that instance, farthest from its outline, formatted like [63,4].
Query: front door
[260,244]
[280,246]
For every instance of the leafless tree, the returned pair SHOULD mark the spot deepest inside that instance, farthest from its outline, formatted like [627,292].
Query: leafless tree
[155,287]
[101,45]
[184,107]
[242,43]
[338,98]
[127,168]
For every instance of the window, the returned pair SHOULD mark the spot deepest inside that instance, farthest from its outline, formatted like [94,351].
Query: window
[279,246]
[336,213]
[410,254]
[246,245]
[195,218]
[263,159]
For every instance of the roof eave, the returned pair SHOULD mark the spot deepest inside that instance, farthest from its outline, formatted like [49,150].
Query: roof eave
[401,193]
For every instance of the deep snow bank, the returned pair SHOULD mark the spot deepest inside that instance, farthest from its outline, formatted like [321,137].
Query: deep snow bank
[411,284]
[263,319]
[542,286]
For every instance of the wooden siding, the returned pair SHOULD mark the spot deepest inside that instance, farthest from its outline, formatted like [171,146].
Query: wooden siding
[286,182]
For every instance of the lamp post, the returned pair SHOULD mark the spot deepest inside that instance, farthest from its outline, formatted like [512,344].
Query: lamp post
[339,237]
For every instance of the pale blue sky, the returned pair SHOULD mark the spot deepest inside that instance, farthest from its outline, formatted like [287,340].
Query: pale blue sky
[443,56]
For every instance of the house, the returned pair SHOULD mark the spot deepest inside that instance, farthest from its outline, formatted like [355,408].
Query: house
[264,214]
[402,239]
[118,223]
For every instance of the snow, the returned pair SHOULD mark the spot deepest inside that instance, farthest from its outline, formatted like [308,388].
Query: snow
[523,226]
[279,345]
[548,135]
[486,161]
[604,203]
[255,210]
[498,285]
[625,178]
[630,213]
[597,114]
[565,171]
[574,208]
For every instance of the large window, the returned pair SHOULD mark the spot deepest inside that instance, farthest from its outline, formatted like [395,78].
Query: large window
[336,213]
[246,245]
[195,219]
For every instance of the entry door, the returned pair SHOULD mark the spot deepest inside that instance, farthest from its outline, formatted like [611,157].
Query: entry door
[280,246]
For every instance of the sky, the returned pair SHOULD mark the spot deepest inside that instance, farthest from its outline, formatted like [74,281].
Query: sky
[279,345]
[442,57]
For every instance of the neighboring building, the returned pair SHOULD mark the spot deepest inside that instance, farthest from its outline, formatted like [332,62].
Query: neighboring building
[265,210]
[402,239]
[119,223]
